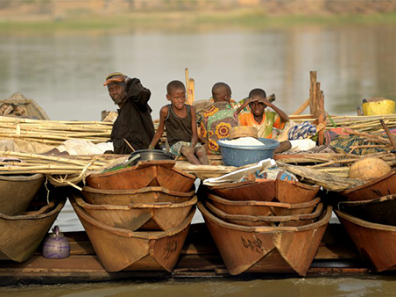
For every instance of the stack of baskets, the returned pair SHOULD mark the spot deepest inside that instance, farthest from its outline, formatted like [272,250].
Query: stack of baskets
[25,215]
[367,213]
[260,224]
[137,218]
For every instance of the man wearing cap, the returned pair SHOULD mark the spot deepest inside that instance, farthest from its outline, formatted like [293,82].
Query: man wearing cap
[134,126]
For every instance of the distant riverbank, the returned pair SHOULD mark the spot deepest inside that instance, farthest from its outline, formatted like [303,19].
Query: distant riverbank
[185,20]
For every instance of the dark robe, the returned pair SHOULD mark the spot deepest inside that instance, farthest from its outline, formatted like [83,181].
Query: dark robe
[134,122]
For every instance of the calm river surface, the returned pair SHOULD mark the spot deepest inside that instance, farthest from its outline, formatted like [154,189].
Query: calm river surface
[64,73]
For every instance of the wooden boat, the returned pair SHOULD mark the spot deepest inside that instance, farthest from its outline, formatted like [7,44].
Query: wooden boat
[375,242]
[121,249]
[373,189]
[145,195]
[139,216]
[267,190]
[29,107]
[17,191]
[22,234]
[258,249]
[379,211]
[260,208]
[249,220]
[144,174]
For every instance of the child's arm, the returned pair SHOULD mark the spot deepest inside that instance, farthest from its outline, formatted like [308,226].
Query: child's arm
[194,138]
[284,117]
[160,131]
[240,108]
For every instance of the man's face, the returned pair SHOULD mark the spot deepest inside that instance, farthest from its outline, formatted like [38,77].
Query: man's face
[257,107]
[117,92]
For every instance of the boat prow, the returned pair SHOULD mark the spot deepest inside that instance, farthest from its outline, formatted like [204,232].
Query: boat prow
[121,249]
[266,249]
[375,242]
[144,174]
[22,234]
[17,191]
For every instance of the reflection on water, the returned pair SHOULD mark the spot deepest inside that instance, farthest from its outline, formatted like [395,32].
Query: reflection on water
[323,287]
[64,73]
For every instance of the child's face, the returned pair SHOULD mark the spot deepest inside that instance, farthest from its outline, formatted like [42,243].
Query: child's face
[177,97]
[257,107]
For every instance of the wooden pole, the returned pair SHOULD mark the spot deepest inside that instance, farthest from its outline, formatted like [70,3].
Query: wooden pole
[187,79]
[191,92]
[321,118]
[390,136]
[313,76]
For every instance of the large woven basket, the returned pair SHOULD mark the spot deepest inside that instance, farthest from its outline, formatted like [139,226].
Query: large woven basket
[243,131]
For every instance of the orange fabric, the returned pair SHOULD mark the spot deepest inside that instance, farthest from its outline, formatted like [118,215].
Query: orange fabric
[264,128]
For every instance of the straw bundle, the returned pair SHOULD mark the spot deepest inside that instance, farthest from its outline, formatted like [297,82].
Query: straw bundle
[363,123]
[61,171]
[54,132]
[328,181]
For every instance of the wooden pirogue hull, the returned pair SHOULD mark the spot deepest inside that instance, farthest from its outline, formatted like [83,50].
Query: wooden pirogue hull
[250,220]
[139,216]
[385,185]
[376,243]
[144,174]
[21,235]
[125,197]
[379,211]
[256,249]
[268,190]
[261,208]
[119,249]
[18,191]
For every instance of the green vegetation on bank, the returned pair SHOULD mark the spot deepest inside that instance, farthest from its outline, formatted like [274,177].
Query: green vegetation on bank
[182,20]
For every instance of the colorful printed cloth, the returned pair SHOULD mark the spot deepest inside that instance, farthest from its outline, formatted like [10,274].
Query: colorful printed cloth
[347,144]
[276,173]
[247,107]
[302,131]
[270,120]
[216,124]
[235,105]
[176,148]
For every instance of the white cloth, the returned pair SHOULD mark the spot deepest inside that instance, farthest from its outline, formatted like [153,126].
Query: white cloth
[84,147]
[302,144]
[238,175]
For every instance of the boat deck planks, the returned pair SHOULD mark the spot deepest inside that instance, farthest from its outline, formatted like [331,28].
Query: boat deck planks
[199,258]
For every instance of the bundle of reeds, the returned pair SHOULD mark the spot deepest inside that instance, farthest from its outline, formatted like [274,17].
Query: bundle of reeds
[61,171]
[362,123]
[334,164]
[54,132]
[204,171]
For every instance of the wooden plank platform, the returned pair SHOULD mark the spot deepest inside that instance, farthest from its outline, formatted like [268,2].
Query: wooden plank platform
[199,259]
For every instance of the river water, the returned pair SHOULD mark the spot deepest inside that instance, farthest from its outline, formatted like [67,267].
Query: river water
[64,73]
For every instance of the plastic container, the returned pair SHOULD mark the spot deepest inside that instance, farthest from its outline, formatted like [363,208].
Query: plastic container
[242,155]
[383,107]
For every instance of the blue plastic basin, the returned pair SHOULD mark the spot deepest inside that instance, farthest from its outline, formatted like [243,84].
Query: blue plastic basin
[242,155]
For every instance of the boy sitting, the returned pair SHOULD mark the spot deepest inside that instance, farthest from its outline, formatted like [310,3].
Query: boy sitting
[260,117]
[181,128]
[218,119]
[263,119]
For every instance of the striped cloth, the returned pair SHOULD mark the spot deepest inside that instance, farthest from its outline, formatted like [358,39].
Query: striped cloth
[302,131]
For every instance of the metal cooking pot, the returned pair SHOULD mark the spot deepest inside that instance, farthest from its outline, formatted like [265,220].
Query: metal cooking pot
[150,155]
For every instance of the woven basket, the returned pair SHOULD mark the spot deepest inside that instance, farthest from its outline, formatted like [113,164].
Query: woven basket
[243,131]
